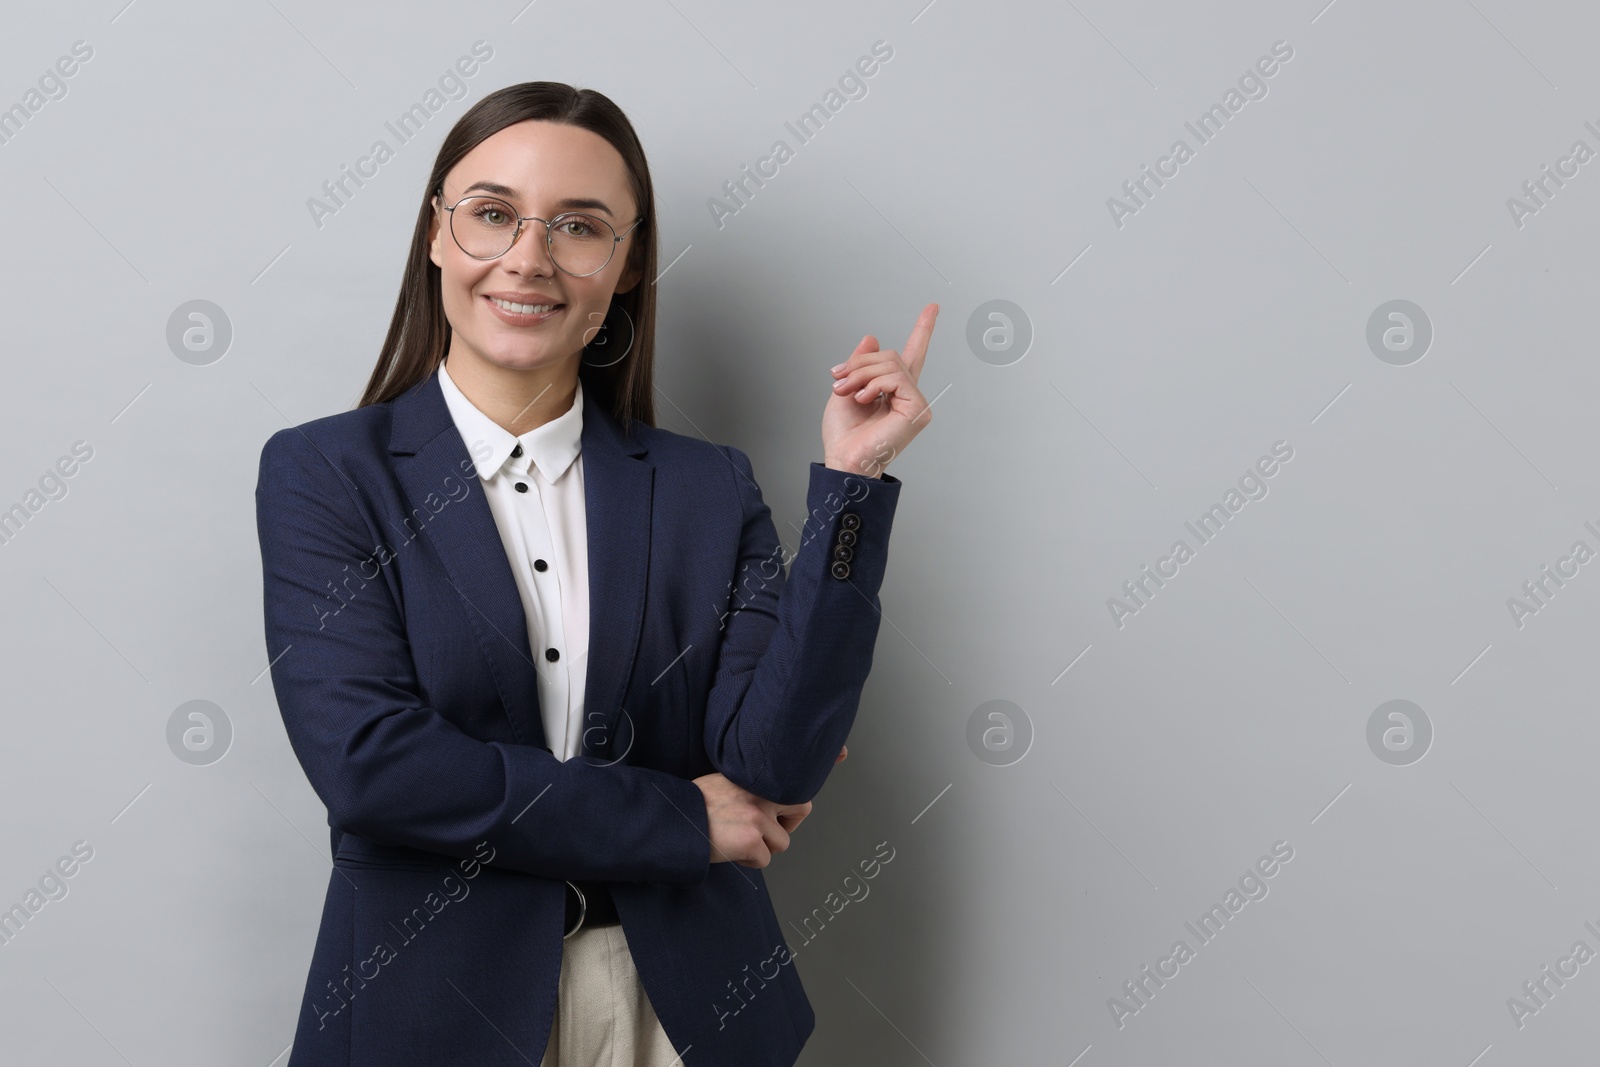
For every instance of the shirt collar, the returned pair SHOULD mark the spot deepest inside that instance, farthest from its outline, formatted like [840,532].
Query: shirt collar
[552,446]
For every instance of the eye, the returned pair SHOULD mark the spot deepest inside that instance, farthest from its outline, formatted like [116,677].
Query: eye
[579,226]
[490,214]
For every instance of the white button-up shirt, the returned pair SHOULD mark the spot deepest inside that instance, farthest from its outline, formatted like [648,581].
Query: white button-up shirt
[534,485]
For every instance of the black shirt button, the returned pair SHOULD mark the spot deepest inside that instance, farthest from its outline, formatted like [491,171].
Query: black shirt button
[847,537]
[840,569]
[849,520]
[515,452]
[522,487]
[540,565]
[551,654]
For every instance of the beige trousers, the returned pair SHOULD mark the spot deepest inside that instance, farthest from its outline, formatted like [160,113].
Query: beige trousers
[603,1017]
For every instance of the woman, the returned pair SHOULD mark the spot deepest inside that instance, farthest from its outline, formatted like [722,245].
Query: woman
[531,650]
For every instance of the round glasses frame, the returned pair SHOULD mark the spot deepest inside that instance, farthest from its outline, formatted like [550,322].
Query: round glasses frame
[549,225]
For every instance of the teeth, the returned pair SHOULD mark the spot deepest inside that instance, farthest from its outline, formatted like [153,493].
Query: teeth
[524,309]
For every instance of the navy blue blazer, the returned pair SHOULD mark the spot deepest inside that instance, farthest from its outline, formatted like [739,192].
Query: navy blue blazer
[400,660]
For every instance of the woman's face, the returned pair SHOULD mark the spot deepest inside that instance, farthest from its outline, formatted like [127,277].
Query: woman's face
[539,168]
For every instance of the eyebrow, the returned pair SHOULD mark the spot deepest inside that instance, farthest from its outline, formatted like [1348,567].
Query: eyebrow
[571,202]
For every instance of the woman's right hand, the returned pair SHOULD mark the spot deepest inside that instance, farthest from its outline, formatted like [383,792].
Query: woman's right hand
[745,828]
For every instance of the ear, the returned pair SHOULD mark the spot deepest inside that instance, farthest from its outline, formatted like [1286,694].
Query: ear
[434,232]
[630,277]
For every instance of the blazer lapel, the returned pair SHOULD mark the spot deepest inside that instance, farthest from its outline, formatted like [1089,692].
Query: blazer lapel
[618,491]
[618,486]
[433,464]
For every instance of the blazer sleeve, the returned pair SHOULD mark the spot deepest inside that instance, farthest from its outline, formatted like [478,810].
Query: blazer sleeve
[796,650]
[390,767]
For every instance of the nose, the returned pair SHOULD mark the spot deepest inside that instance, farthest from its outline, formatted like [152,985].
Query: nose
[532,248]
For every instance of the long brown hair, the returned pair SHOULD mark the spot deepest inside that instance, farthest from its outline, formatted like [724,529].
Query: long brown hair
[419,333]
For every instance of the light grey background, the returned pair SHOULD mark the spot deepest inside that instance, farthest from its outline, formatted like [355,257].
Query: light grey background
[1167,755]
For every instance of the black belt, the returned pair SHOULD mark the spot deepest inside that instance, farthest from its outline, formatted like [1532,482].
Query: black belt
[589,904]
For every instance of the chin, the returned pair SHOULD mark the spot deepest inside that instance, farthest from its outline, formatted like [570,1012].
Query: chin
[528,358]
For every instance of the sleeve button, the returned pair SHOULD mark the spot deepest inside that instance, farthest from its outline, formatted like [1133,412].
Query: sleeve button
[843,552]
[847,537]
[840,569]
[849,520]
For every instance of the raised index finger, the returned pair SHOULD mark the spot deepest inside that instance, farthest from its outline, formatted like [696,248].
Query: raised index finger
[916,349]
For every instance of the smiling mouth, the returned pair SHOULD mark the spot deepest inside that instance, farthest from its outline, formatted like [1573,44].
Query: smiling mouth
[525,309]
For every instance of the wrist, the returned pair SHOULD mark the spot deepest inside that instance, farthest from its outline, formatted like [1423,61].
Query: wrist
[858,469]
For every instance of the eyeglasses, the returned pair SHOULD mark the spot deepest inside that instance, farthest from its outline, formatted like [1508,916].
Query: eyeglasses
[579,244]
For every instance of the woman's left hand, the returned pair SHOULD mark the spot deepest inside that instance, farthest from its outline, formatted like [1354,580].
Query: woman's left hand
[876,407]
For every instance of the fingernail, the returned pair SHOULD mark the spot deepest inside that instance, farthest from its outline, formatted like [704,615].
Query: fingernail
[837,367]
